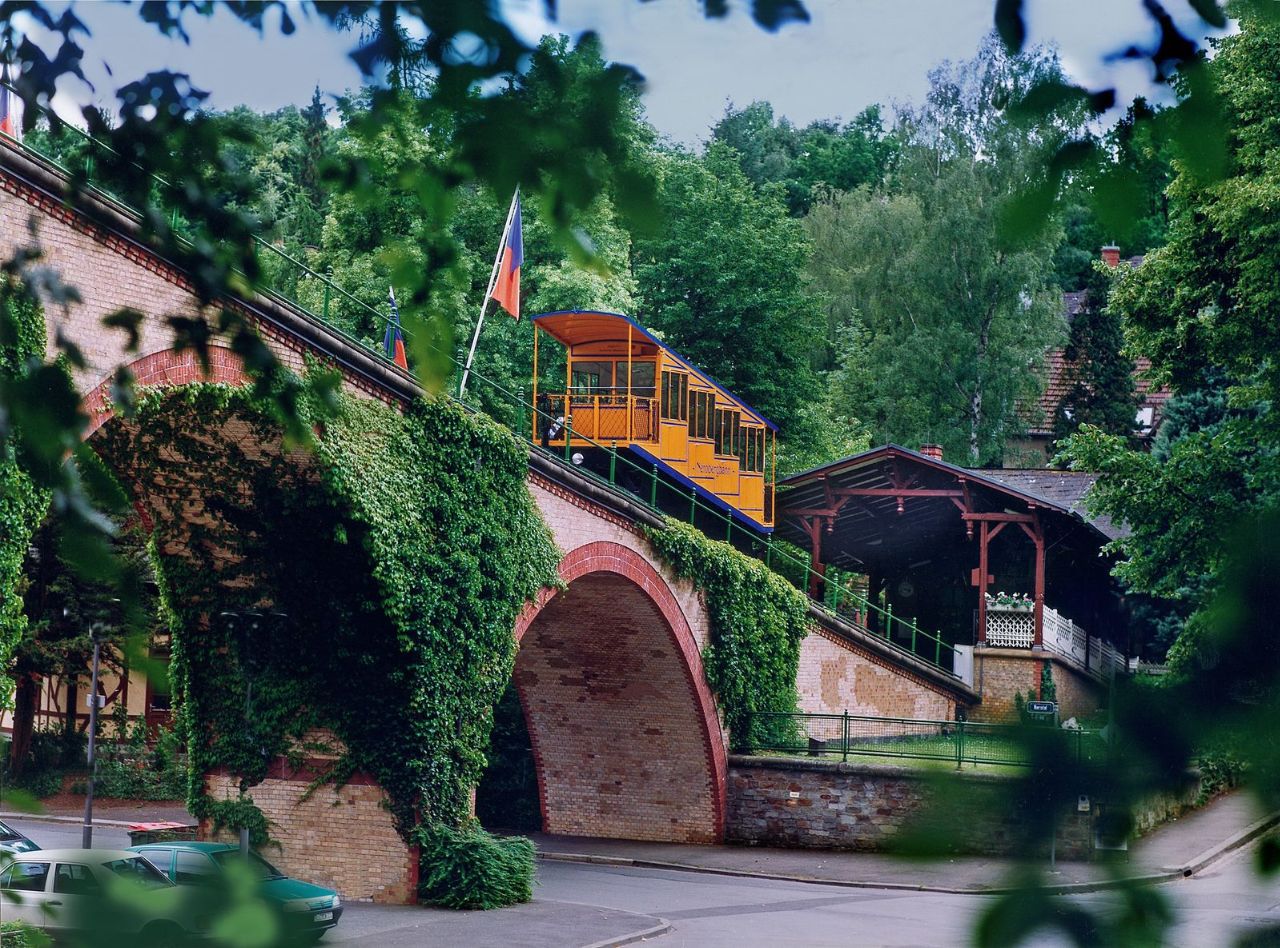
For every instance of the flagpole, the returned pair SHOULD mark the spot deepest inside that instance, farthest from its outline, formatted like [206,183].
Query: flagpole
[488,293]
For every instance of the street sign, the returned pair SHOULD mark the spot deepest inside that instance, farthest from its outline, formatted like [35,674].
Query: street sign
[1042,707]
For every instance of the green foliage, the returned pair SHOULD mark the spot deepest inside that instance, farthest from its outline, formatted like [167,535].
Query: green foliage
[128,769]
[1100,388]
[1048,690]
[422,545]
[467,868]
[22,501]
[21,935]
[722,282]
[758,621]
[938,318]
[803,161]
[1221,769]
[237,814]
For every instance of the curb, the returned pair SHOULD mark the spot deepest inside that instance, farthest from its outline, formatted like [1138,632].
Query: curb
[67,820]
[1196,864]
[661,928]
[1231,843]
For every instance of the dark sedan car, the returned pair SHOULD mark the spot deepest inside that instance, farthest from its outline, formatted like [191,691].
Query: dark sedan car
[11,841]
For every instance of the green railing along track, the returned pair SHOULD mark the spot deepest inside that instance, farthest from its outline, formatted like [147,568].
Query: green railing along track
[898,633]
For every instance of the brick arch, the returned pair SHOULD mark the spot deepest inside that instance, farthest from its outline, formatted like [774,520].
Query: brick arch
[622,723]
[166,367]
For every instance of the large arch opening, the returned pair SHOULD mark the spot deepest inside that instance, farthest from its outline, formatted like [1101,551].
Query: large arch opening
[621,725]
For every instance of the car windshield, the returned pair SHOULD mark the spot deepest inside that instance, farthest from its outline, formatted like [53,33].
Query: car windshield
[7,834]
[139,870]
[261,868]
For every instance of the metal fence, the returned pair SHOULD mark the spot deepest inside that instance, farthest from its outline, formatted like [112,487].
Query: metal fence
[841,736]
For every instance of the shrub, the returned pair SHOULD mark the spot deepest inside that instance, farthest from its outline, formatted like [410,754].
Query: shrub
[22,935]
[469,868]
[1220,770]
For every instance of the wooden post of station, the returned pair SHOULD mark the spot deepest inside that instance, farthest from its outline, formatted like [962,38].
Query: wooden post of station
[1037,536]
[818,569]
[982,582]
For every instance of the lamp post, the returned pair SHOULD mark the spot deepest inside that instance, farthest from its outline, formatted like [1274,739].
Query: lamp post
[246,628]
[95,631]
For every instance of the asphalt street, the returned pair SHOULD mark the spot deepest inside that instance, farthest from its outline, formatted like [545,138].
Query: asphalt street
[577,905]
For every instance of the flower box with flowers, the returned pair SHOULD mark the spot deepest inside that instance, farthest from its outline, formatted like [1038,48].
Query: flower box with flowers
[1010,602]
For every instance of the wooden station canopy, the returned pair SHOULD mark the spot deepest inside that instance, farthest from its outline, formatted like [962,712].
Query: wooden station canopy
[890,509]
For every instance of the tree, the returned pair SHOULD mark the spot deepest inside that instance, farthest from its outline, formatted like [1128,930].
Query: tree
[824,154]
[943,318]
[722,282]
[1100,376]
[1202,308]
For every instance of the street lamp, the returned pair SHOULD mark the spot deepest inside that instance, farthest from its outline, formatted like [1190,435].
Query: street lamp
[95,634]
[246,628]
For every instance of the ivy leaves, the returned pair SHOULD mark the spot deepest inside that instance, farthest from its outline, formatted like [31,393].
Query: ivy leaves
[758,621]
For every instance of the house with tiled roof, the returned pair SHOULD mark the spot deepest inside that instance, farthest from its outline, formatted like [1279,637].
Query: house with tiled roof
[1034,447]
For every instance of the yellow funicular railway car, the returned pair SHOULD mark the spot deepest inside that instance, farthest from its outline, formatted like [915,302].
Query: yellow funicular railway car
[625,389]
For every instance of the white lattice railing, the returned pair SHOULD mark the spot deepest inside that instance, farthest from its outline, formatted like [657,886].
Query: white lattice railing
[1014,627]
[1010,626]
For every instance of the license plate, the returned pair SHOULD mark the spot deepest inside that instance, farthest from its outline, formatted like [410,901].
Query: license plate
[323,917]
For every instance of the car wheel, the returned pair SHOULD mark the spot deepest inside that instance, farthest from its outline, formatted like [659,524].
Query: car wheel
[163,935]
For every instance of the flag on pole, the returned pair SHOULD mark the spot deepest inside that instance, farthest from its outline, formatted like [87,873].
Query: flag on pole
[507,288]
[393,341]
[8,108]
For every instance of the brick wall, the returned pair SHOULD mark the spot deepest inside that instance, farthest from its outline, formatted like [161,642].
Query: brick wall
[341,838]
[829,805]
[617,725]
[999,673]
[834,676]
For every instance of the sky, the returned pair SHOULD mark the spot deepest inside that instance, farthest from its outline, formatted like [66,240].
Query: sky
[852,54]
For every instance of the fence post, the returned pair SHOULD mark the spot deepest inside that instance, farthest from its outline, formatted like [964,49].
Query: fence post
[937,649]
[568,435]
[693,506]
[520,425]
[653,487]
[613,462]
[913,636]
[728,528]
[959,744]
[845,744]
[888,622]
[326,294]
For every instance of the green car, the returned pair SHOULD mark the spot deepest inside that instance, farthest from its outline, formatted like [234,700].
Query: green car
[306,911]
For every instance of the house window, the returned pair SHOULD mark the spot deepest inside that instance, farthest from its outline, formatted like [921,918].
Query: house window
[1146,415]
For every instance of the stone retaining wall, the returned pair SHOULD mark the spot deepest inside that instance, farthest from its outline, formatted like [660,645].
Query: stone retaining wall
[830,805]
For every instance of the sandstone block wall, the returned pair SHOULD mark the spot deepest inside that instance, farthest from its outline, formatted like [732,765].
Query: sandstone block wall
[999,673]
[834,677]
[341,838]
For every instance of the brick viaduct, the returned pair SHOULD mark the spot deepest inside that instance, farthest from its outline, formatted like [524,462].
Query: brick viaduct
[626,736]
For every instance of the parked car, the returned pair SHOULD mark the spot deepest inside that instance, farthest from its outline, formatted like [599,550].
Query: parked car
[306,911]
[106,894]
[11,841]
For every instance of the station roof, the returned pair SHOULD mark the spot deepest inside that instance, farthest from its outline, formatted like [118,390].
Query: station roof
[891,502]
[571,327]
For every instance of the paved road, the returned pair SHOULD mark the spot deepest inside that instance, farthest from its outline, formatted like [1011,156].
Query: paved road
[577,904]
